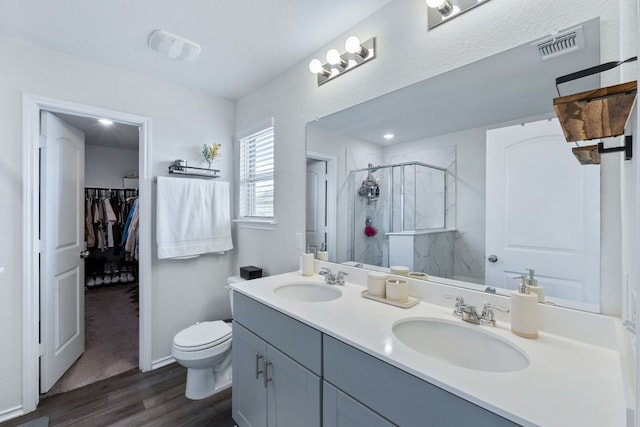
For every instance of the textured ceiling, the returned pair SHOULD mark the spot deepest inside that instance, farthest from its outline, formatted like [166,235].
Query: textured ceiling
[245,43]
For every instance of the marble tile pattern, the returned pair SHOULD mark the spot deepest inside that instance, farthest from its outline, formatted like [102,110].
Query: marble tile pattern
[451,254]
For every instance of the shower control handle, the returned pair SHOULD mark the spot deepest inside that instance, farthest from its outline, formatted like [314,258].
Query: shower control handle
[492,258]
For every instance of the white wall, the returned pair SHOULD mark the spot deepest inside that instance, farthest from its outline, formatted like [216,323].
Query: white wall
[106,167]
[182,120]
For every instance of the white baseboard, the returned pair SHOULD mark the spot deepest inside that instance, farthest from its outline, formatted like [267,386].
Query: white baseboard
[159,363]
[11,413]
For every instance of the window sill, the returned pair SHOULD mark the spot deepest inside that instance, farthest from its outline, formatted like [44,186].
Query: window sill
[256,224]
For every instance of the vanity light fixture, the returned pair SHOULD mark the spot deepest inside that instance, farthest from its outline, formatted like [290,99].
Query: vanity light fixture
[440,11]
[105,122]
[337,64]
[388,136]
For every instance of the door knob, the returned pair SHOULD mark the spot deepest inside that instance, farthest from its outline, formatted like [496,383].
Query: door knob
[84,254]
[492,258]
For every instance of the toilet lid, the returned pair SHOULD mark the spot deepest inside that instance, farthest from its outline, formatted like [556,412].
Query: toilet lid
[202,335]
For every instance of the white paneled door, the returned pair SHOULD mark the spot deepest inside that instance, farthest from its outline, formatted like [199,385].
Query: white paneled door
[542,212]
[316,203]
[62,248]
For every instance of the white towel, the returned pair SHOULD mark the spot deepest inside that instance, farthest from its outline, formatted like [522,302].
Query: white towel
[192,217]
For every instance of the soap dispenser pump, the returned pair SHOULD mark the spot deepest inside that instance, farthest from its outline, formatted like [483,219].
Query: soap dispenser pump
[533,285]
[524,311]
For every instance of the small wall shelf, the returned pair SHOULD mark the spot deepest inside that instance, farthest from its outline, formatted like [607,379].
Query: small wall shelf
[599,113]
[179,169]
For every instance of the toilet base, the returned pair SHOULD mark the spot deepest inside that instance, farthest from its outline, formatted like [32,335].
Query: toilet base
[202,383]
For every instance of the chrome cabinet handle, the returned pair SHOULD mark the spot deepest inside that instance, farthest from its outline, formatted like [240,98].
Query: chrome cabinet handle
[266,372]
[258,371]
[492,258]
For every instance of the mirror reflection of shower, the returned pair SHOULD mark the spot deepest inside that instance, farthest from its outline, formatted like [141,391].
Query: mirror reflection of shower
[370,186]
[395,210]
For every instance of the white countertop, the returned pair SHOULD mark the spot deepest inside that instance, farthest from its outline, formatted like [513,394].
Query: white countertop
[567,382]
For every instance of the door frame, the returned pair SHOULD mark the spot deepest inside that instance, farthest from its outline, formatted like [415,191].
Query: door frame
[331,198]
[31,107]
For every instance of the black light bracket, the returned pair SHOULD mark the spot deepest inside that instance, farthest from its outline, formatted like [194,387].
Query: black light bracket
[627,148]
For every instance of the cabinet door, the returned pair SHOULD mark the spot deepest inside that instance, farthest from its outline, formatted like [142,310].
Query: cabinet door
[249,398]
[293,392]
[340,410]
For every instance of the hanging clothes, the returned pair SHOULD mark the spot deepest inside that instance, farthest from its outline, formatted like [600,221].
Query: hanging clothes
[105,214]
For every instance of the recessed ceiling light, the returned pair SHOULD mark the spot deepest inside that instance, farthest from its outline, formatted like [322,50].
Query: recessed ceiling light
[105,122]
[388,136]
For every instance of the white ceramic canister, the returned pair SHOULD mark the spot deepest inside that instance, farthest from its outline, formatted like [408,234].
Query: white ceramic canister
[376,284]
[397,290]
[307,264]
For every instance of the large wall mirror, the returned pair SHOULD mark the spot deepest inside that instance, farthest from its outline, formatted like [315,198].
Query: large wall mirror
[476,159]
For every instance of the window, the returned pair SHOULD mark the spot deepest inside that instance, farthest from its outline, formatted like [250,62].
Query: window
[256,175]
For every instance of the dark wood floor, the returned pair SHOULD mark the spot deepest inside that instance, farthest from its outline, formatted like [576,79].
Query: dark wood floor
[132,398]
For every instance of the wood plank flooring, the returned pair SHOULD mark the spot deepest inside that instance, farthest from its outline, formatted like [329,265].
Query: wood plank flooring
[132,398]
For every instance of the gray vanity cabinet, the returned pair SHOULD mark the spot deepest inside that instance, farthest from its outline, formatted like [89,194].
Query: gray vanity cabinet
[400,397]
[340,410]
[276,367]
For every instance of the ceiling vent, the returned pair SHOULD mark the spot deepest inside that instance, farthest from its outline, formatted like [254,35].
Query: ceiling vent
[173,46]
[559,44]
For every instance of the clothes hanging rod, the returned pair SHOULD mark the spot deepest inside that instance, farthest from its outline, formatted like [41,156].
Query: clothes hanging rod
[110,189]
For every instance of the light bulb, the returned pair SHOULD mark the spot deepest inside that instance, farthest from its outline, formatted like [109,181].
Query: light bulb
[352,45]
[388,136]
[315,66]
[436,4]
[333,57]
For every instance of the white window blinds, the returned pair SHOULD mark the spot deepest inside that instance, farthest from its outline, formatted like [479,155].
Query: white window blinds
[256,175]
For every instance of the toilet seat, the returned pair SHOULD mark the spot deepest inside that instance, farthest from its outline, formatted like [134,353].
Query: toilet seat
[202,335]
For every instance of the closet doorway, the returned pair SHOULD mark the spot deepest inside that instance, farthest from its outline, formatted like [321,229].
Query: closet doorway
[95,274]
[110,258]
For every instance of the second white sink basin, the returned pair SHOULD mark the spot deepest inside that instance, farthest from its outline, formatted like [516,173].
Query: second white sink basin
[461,345]
[308,292]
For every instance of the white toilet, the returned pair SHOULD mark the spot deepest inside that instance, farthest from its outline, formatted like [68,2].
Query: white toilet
[205,350]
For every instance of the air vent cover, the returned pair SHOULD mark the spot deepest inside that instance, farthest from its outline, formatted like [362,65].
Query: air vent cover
[559,44]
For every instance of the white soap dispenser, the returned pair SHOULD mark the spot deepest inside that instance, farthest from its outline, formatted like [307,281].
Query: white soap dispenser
[533,285]
[524,311]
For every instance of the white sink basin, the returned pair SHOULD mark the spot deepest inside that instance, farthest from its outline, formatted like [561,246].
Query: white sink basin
[462,345]
[308,292]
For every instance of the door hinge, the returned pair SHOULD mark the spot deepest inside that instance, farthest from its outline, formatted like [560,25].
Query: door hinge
[42,141]
[40,246]
[42,349]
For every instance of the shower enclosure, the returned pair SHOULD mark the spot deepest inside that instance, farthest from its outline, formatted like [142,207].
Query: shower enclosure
[398,215]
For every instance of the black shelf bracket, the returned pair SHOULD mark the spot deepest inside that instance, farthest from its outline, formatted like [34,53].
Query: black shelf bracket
[627,148]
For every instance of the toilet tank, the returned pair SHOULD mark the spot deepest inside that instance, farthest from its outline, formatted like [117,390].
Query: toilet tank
[231,280]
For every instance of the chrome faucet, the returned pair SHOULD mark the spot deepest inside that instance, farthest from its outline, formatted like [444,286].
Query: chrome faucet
[468,313]
[333,279]
[457,311]
[488,317]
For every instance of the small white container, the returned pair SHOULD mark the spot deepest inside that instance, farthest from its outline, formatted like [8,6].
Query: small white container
[307,264]
[399,270]
[397,290]
[376,284]
[323,255]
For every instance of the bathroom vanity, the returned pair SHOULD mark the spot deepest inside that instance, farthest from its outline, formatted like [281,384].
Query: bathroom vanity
[309,353]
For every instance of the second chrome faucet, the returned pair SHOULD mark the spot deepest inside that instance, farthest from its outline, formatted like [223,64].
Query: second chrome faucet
[468,313]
